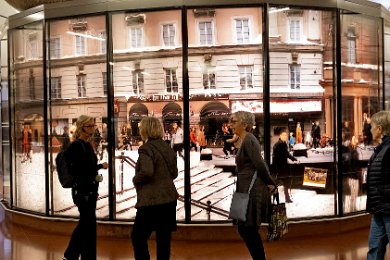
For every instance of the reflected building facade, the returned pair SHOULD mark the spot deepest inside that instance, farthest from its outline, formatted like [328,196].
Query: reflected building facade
[314,72]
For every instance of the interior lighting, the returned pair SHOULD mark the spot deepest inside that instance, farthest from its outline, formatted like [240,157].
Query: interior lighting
[278,10]
[88,36]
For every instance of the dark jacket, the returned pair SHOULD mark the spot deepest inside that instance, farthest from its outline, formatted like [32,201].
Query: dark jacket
[65,141]
[82,158]
[378,179]
[249,160]
[280,154]
[155,171]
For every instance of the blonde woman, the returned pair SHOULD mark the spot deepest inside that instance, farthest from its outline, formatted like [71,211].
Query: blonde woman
[249,161]
[155,171]
[83,161]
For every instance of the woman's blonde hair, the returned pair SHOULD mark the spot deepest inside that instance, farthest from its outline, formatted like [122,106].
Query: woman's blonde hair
[80,123]
[246,118]
[150,127]
[382,118]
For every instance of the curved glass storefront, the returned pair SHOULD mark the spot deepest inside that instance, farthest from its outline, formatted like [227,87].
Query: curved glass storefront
[317,72]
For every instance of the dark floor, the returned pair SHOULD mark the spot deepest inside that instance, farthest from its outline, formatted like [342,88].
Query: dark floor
[19,243]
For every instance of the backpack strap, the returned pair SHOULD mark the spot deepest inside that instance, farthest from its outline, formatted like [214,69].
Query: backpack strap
[82,145]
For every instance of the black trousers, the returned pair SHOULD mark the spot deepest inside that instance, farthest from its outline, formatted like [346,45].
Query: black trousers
[83,240]
[227,147]
[193,145]
[178,148]
[162,220]
[140,237]
[252,239]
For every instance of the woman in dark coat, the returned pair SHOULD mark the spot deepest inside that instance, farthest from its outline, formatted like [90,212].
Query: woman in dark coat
[280,156]
[249,161]
[155,171]
[81,157]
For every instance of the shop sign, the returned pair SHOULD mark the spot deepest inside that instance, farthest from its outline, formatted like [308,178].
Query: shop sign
[290,106]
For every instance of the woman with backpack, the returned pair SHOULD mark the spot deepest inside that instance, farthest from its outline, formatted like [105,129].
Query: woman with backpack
[82,160]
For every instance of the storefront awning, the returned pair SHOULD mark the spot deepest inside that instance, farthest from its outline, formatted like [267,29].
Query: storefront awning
[33,117]
[214,110]
[172,111]
[137,111]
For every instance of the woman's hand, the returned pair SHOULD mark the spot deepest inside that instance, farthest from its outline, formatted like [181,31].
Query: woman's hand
[105,165]
[273,189]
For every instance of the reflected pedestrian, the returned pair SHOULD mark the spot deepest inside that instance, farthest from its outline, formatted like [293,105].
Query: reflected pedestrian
[65,138]
[193,140]
[367,135]
[226,135]
[178,139]
[26,143]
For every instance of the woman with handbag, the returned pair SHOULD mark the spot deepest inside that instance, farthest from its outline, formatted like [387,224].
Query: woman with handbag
[155,171]
[248,162]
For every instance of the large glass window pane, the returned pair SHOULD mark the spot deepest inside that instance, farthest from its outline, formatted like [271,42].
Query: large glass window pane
[147,79]
[223,78]
[27,102]
[5,138]
[301,106]
[361,85]
[387,64]
[78,86]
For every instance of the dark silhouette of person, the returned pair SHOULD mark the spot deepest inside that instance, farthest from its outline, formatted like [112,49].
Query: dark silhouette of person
[96,138]
[26,143]
[279,160]
[65,138]
[347,131]
[226,135]
[316,129]
[367,135]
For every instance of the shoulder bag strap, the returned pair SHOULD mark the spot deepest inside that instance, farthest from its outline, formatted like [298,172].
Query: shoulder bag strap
[252,182]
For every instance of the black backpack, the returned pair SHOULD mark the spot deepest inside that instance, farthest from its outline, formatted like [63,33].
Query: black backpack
[65,176]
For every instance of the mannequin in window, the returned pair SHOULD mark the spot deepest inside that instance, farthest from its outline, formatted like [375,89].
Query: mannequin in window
[298,134]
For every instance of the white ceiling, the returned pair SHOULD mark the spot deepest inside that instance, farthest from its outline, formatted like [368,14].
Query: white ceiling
[385,3]
[6,9]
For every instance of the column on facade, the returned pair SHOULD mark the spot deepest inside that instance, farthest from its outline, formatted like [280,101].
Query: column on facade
[328,117]
[357,115]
